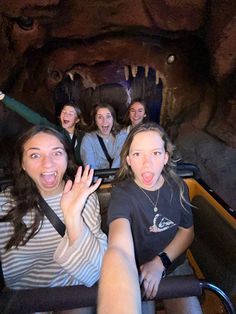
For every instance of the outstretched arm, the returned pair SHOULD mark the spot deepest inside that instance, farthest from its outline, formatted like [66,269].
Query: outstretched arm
[24,111]
[119,290]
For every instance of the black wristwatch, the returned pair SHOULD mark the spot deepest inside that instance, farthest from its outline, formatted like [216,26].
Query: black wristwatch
[165,259]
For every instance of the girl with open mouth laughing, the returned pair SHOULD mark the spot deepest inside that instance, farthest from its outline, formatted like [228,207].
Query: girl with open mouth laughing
[35,251]
[101,147]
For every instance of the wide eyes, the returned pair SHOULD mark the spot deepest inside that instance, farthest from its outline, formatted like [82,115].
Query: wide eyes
[56,153]
[99,117]
[34,156]
[140,154]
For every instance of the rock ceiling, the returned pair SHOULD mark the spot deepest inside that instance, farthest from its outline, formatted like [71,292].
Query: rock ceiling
[190,46]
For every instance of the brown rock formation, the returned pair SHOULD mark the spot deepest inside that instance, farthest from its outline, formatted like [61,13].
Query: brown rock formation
[188,47]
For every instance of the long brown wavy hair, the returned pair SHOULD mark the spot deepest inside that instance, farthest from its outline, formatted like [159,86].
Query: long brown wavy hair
[168,171]
[24,192]
[93,126]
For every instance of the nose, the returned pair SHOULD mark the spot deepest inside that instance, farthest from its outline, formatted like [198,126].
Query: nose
[146,159]
[104,120]
[47,161]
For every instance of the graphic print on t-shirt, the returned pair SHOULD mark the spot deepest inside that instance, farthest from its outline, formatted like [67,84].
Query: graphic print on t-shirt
[161,223]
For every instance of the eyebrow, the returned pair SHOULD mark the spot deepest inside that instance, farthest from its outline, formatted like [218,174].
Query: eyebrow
[140,149]
[38,148]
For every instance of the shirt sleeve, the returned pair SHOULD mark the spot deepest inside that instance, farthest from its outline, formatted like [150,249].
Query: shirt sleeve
[83,259]
[87,152]
[25,112]
[119,206]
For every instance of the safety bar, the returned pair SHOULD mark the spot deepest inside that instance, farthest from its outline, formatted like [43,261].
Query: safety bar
[64,298]
[184,170]
[188,170]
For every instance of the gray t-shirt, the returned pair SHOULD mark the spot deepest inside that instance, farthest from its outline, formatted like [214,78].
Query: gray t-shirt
[152,231]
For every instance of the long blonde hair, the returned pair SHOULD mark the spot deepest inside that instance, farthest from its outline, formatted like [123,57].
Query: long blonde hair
[168,171]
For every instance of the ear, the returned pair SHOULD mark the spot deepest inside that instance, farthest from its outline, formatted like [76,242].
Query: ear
[22,166]
[128,160]
[166,158]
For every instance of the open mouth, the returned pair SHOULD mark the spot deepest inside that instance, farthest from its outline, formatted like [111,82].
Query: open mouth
[147,177]
[111,73]
[48,178]
[121,80]
[96,61]
[105,129]
[115,69]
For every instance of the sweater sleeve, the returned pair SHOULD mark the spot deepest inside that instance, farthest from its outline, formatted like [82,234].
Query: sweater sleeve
[83,259]
[87,150]
[25,112]
[120,139]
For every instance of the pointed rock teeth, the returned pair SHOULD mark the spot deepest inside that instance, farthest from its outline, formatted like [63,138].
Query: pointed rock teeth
[157,77]
[134,70]
[126,70]
[146,69]
[71,75]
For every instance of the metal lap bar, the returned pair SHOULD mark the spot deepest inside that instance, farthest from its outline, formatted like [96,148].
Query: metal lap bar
[64,298]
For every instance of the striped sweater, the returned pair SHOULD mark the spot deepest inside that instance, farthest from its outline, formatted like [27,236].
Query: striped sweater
[47,260]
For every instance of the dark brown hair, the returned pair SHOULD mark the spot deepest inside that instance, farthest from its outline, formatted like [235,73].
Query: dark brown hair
[80,125]
[127,118]
[24,192]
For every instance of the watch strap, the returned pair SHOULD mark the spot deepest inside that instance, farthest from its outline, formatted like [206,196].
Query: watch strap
[165,259]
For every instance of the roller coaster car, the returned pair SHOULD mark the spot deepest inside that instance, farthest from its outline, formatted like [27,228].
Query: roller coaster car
[212,255]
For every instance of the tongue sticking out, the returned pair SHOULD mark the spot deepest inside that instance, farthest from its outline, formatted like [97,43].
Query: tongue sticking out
[147,177]
[48,179]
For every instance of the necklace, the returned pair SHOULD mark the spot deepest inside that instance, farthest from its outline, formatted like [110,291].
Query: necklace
[155,208]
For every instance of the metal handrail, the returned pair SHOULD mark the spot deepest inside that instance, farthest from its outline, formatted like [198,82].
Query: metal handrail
[221,294]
